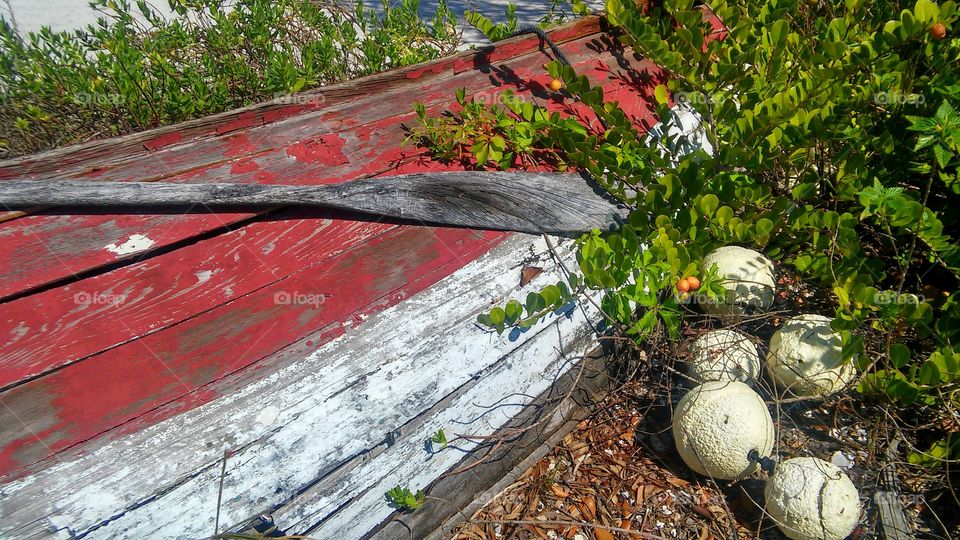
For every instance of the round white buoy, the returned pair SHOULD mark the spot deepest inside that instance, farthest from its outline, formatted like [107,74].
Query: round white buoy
[747,276]
[724,355]
[806,357]
[717,424]
[811,499]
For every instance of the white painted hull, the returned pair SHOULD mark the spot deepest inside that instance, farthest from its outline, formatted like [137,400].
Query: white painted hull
[308,443]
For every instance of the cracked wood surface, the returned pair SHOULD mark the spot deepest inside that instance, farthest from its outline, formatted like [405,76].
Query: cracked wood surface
[136,349]
[357,138]
[289,429]
[191,299]
[529,202]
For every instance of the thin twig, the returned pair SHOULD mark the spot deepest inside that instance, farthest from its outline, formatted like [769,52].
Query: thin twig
[503,435]
[223,475]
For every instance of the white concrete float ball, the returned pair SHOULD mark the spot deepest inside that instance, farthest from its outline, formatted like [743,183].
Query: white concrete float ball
[811,499]
[717,424]
[724,355]
[747,276]
[806,357]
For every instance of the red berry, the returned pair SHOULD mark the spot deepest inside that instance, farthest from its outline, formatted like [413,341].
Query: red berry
[938,31]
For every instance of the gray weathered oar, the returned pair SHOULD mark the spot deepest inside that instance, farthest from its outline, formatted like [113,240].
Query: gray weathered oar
[525,202]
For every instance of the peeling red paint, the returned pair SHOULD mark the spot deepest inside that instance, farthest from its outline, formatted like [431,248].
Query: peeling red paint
[164,140]
[286,111]
[463,64]
[429,69]
[183,346]
[244,166]
[239,145]
[436,95]
[170,365]
[244,120]
[327,150]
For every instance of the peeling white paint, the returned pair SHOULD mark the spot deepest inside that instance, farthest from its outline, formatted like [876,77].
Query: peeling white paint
[335,402]
[268,415]
[21,330]
[133,244]
[203,276]
[526,372]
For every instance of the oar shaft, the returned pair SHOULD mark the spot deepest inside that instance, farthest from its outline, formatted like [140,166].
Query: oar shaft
[21,193]
[526,202]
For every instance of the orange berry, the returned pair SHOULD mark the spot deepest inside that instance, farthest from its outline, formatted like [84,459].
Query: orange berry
[555,85]
[694,282]
[938,31]
[683,285]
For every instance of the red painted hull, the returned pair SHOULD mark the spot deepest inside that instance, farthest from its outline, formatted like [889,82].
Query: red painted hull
[111,323]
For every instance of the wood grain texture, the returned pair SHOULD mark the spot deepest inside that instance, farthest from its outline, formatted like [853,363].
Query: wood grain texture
[547,418]
[81,157]
[39,250]
[325,136]
[57,327]
[288,429]
[58,430]
[535,203]
[350,141]
[893,519]
[482,407]
[53,412]
[322,405]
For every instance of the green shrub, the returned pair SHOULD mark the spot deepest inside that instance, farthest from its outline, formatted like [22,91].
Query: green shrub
[836,145]
[405,500]
[135,69]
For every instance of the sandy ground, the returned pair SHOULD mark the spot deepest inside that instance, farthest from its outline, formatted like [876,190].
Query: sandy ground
[30,15]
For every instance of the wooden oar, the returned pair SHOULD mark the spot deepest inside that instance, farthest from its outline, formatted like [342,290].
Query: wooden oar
[511,201]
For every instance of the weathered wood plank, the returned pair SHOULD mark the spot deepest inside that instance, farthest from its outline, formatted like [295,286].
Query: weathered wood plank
[68,406]
[474,496]
[374,149]
[326,137]
[166,394]
[39,250]
[546,419]
[125,158]
[537,202]
[299,422]
[55,328]
[78,157]
[498,394]
[893,519]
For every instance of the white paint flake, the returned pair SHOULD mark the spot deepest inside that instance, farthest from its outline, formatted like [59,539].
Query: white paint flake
[203,276]
[268,415]
[133,244]
[21,330]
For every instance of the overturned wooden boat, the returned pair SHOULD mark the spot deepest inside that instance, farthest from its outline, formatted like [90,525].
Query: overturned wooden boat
[179,374]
